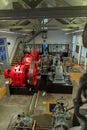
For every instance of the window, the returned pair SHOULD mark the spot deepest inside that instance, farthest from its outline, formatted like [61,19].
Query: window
[83,52]
[74,43]
[43,22]
[2,50]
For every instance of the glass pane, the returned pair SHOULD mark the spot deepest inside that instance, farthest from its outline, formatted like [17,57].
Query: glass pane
[74,43]
[1,41]
[2,53]
[0,49]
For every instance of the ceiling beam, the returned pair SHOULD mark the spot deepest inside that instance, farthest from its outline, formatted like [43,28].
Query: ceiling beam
[60,12]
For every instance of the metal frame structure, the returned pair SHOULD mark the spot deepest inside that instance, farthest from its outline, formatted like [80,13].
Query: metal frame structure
[59,12]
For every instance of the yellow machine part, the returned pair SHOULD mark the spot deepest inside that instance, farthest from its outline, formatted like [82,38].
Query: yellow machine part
[2,91]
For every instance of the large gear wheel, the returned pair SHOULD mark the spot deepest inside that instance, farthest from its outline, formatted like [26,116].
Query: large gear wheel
[84,36]
[33,72]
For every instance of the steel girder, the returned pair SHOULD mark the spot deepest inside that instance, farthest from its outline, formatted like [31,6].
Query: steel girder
[60,12]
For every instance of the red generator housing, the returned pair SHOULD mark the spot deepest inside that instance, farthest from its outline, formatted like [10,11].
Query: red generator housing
[24,75]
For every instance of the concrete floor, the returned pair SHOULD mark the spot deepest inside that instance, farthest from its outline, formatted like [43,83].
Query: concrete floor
[15,104]
[2,80]
[11,106]
[41,113]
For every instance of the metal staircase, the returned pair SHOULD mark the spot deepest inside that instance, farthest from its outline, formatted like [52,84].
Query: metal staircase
[18,54]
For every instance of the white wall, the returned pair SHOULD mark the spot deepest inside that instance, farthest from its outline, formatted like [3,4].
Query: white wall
[13,39]
[79,42]
[54,37]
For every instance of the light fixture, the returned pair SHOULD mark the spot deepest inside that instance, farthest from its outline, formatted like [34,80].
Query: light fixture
[76,31]
[9,32]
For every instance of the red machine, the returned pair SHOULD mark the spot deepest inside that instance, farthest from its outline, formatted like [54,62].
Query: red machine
[24,73]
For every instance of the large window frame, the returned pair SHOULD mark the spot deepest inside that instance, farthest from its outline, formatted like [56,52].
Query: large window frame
[74,43]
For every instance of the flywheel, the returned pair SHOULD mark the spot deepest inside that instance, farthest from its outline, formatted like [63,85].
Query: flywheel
[33,72]
[84,36]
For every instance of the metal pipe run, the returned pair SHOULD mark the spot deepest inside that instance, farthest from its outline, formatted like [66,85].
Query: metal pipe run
[33,104]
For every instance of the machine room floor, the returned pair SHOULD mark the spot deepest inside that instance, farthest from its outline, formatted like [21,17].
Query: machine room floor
[12,105]
[15,104]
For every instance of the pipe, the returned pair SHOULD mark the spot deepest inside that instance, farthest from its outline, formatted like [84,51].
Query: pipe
[33,104]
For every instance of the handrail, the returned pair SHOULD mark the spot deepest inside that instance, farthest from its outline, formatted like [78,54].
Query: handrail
[14,49]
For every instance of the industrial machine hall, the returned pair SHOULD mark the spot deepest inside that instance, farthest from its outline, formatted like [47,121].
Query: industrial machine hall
[43,64]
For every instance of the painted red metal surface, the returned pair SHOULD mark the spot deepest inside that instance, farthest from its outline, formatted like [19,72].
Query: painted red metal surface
[21,73]
[35,55]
